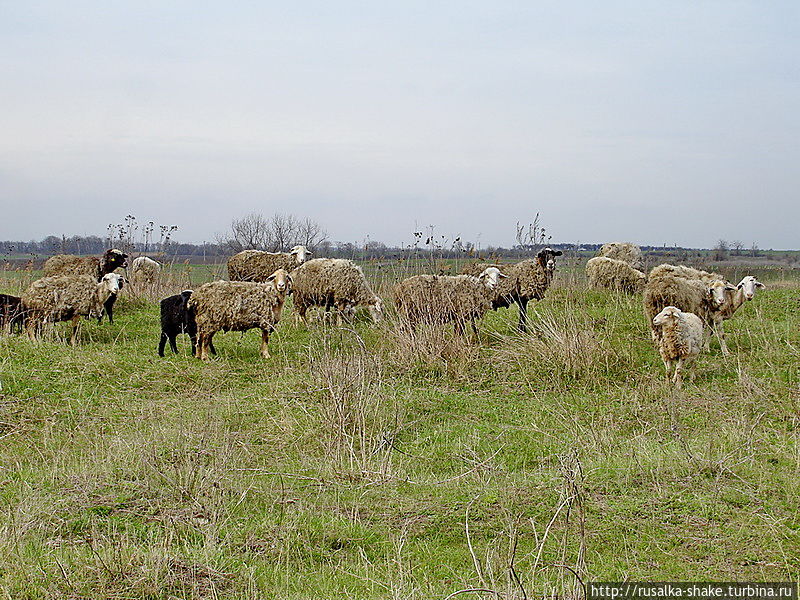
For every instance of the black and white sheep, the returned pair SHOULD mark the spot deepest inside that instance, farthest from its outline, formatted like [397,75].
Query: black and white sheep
[526,280]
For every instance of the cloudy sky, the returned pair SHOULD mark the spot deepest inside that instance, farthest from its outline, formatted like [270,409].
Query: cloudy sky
[654,122]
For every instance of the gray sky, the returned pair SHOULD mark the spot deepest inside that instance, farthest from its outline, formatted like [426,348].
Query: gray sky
[654,122]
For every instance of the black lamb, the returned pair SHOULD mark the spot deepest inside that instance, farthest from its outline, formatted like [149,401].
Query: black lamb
[176,318]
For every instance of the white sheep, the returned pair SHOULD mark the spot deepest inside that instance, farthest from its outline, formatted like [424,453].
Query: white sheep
[145,270]
[680,339]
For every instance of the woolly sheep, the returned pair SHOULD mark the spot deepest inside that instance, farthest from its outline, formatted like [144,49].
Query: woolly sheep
[690,290]
[70,264]
[333,282]
[176,318]
[65,298]
[238,306]
[630,253]
[144,270]
[680,339]
[11,313]
[439,299]
[614,274]
[255,265]
[526,280]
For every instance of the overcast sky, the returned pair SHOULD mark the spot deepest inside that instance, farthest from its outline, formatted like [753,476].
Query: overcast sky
[654,122]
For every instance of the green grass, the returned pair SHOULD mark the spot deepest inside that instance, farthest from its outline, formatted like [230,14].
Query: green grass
[351,463]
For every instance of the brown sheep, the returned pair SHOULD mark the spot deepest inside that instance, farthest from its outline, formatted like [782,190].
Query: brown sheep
[613,274]
[526,280]
[65,298]
[255,265]
[70,264]
[238,306]
[630,253]
[333,282]
[439,299]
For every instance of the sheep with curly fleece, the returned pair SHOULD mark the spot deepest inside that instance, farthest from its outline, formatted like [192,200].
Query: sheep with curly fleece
[630,253]
[333,283]
[238,306]
[680,339]
[526,280]
[690,290]
[255,265]
[67,298]
[613,274]
[70,264]
[440,299]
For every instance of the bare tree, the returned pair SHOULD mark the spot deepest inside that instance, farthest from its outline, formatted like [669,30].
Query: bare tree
[721,250]
[278,233]
[737,247]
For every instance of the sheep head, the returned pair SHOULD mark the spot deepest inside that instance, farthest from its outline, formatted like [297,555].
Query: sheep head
[281,281]
[546,258]
[670,313]
[111,283]
[301,253]
[491,277]
[749,285]
[115,258]
[376,309]
[717,292]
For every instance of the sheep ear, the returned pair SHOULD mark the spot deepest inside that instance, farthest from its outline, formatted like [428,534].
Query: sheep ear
[502,275]
[289,277]
[730,287]
[760,285]
[557,253]
[271,277]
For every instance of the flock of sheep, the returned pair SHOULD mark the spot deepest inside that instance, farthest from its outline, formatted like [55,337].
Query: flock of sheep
[683,305]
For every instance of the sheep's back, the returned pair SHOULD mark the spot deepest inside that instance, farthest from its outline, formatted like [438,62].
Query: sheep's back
[234,305]
[70,264]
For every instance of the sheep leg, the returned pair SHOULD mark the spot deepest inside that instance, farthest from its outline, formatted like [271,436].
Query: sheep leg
[161,343]
[720,333]
[211,346]
[202,350]
[172,343]
[264,343]
[475,330]
[76,323]
[31,327]
[678,367]
[108,305]
[522,303]
[668,368]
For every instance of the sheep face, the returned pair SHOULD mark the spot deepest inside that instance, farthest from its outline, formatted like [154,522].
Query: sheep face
[670,313]
[749,285]
[546,258]
[281,280]
[717,292]
[376,309]
[301,254]
[491,277]
[116,258]
[112,283]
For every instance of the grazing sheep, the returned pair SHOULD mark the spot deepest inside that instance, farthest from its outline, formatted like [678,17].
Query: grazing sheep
[439,299]
[238,306]
[691,290]
[11,313]
[176,318]
[144,270]
[255,265]
[65,298]
[614,274]
[70,264]
[680,339]
[630,253]
[333,282]
[526,280]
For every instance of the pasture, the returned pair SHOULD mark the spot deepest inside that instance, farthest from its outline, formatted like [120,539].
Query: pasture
[363,462]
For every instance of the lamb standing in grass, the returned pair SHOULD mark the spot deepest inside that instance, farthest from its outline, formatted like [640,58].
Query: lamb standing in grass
[526,280]
[680,339]
[238,306]
[255,265]
[65,298]
[613,274]
[440,299]
[176,318]
[333,282]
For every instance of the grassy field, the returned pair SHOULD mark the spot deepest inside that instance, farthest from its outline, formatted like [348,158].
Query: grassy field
[361,463]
